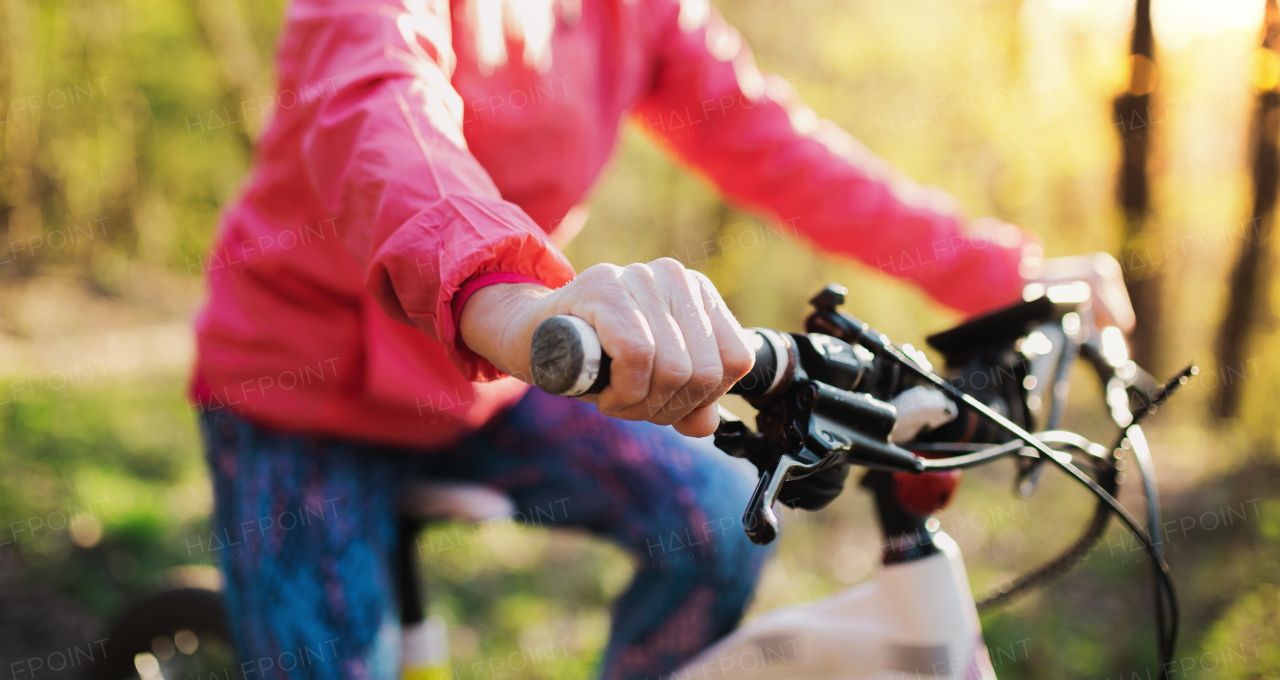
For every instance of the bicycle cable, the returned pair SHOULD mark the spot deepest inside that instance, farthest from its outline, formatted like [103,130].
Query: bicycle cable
[1070,557]
[1107,470]
[1166,600]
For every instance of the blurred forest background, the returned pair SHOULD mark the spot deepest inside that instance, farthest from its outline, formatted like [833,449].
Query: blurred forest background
[126,125]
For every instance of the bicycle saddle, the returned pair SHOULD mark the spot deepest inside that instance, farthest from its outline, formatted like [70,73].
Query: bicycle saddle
[453,501]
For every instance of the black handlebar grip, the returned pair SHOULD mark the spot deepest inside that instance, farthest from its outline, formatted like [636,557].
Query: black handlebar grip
[566,359]
[776,358]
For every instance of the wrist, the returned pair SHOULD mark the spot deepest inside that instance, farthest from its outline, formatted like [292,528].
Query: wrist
[497,323]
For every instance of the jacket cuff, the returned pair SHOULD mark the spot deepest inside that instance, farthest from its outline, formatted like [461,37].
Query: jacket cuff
[417,271]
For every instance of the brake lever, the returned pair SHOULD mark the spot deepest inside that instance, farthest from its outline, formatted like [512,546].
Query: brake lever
[759,520]
[811,426]
[734,438]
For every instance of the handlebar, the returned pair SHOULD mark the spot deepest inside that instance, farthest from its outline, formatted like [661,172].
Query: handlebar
[567,359]
[834,395]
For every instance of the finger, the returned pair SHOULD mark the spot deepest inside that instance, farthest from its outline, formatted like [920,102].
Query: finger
[701,422]
[686,305]
[1101,317]
[736,354]
[624,335]
[1110,290]
[670,368]
[1114,300]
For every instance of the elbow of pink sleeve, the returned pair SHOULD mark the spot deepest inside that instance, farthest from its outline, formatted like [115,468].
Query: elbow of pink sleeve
[417,274]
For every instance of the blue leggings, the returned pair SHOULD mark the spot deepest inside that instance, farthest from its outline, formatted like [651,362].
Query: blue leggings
[305,532]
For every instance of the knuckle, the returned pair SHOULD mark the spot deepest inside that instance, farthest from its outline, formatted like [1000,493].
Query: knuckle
[638,270]
[738,359]
[699,280]
[712,300]
[668,265]
[706,379]
[637,353]
[672,374]
[600,272]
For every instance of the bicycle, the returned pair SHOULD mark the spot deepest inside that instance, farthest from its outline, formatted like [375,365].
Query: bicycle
[842,394]
[838,395]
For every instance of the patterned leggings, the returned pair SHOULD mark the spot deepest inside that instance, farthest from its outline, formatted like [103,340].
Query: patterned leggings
[325,584]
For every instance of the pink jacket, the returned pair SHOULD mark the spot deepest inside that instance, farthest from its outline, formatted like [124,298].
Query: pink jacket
[406,157]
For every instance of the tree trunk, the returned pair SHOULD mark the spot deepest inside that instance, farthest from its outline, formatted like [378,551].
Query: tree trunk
[23,219]
[6,95]
[1247,295]
[249,100]
[1132,111]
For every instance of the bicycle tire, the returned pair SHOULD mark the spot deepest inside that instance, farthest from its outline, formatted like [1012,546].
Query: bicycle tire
[164,613]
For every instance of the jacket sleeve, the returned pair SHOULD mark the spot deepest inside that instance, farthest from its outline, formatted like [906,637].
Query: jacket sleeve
[766,150]
[385,153]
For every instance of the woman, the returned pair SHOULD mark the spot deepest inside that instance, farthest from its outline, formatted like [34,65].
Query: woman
[378,281]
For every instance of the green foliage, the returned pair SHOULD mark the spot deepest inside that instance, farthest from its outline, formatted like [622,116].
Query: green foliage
[1242,645]
[101,484]
[144,130]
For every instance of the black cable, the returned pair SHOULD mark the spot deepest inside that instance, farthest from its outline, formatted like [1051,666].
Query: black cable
[1167,630]
[1069,558]
[1055,568]
[1146,466]
[1077,550]
[1146,469]
[956,449]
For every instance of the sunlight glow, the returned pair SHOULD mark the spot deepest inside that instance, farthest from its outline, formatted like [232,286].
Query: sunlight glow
[531,22]
[1176,22]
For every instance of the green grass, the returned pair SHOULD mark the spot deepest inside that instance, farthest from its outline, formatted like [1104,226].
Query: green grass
[124,459]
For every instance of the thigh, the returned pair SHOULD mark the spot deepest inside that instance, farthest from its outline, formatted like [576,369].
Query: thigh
[652,490]
[304,533]
[675,503]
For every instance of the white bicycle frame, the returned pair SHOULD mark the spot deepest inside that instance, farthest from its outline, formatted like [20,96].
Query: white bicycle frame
[916,619]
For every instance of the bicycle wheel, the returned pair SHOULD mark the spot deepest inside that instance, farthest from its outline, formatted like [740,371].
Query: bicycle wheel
[177,633]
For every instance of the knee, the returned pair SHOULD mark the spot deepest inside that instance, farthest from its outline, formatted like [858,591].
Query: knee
[716,548]
[741,561]
[725,567]
[715,552]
